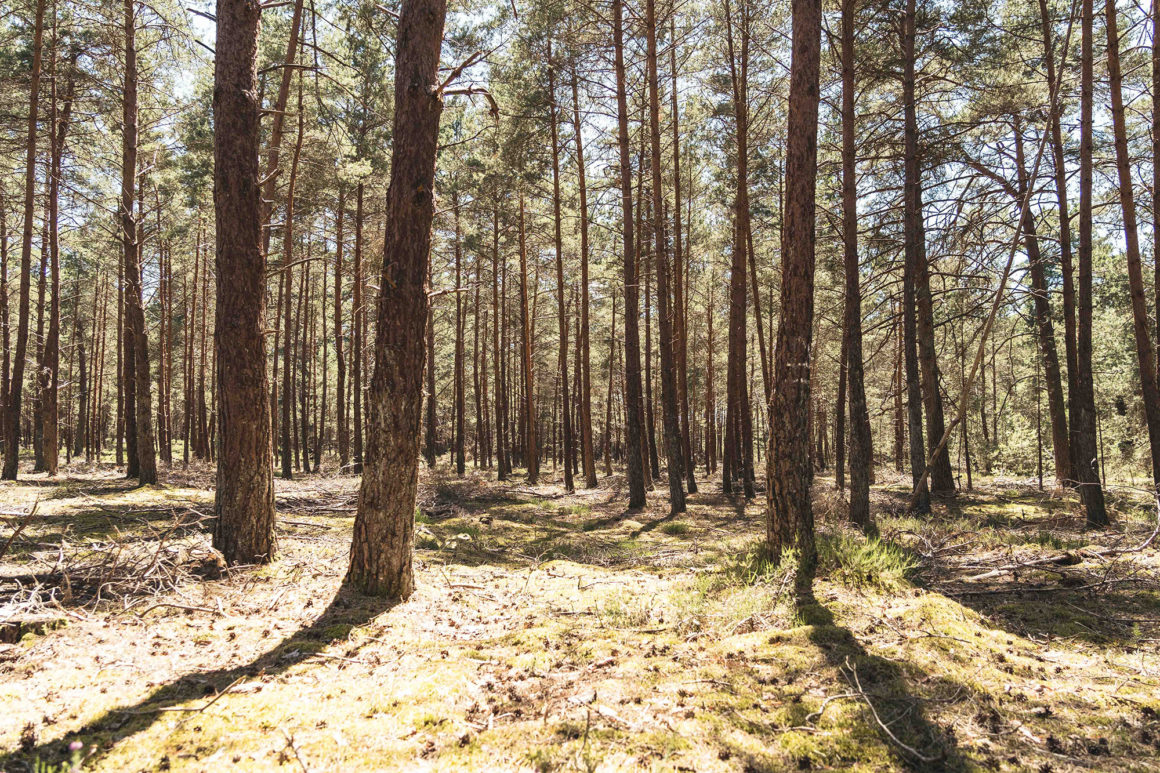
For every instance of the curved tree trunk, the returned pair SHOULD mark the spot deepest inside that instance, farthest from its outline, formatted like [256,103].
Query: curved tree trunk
[384,525]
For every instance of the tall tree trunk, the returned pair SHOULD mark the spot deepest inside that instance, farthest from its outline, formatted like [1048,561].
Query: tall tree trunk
[1059,161]
[1145,353]
[384,525]
[1084,440]
[357,316]
[502,463]
[342,430]
[562,317]
[861,446]
[50,364]
[680,263]
[912,220]
[1043,325]
[16,383]
[738,463]
[134,291]
[244,497]
[941,477]
[430,451]
[669,409]
[277,125]
[460,396]
[634,402]
[531,450]
[286,424]
[587,452]
[790,519]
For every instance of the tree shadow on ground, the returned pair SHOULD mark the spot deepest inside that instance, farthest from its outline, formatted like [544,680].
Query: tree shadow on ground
[895,712]
[347,609]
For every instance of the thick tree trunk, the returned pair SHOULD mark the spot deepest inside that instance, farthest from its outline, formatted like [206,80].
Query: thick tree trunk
[790,519]
[384,525]
[244,497]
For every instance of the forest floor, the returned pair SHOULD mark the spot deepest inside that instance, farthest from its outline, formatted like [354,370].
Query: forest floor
[552,631]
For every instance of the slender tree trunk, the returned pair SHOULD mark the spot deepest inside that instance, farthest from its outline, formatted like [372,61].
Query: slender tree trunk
[584,364]
[460,422]
[912,221]
[680,262]
[669,397]
[861,446]
[286,423]
[531,451]
[16,383]
[1043,324]
[632,385]
[941,476]
[1084,420]
[244,497]
[1145,353]
[1059,161]
[50,366]
[430,451]
[343,430]
[357,314]
[562,317]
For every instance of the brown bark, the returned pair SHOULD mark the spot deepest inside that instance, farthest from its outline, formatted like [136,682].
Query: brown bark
[861,446]
[1059,161]
[16,382]
[357,314]
[134,291]
[1084,437]
[244,497]
[1145,353]
[790,520]
[342,429]
[941,476]
[584,365]
[669,410]
[458,385]
[562,317]
[531,450]
[1044,327]
[632,385]
[384,525]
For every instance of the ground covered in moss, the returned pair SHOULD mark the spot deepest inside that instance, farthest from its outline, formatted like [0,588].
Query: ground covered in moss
[559,632]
